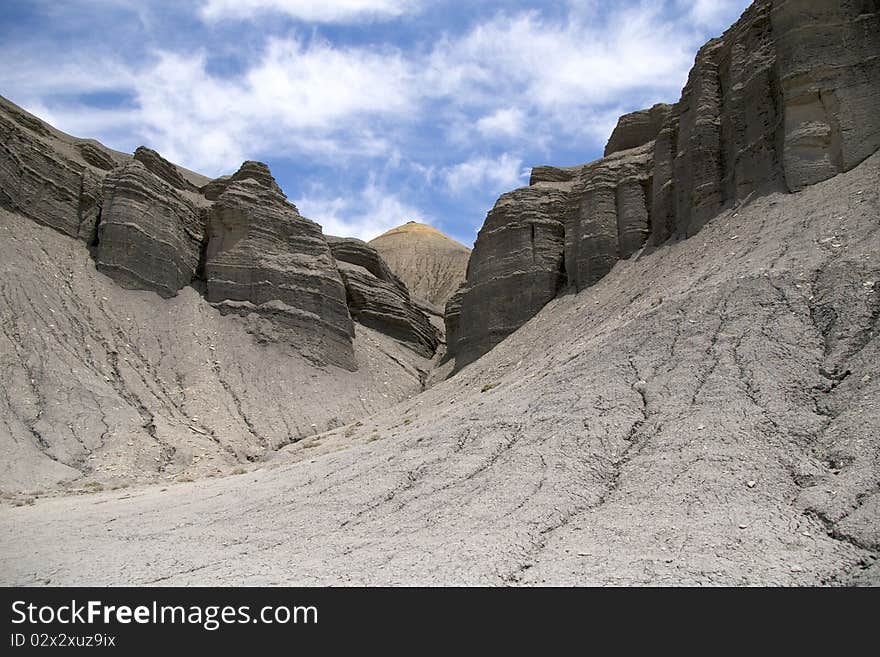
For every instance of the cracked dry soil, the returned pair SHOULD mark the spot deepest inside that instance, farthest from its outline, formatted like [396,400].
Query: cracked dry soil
[705,414]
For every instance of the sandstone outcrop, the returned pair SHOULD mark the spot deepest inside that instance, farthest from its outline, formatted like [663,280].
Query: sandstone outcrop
[155,226]
[264,260]
[431,264]
[150,236]
[637,128]
[249,170]
[451,317]
[515,268]
[357,252]
[159,166]
[606,217]
[214,188]
[96,155]
[828,70]
[40,181]
[785,98]
[377,298]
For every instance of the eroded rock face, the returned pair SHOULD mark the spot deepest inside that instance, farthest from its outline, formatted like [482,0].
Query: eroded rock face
[567,229]
[249,170]
[152,229]
[159,166]
[377,298]
[265,261]
[637,128]
[358,252]
[451,317]
[718,145]
[214,188]
[150,236]
[96,155]
[606,215]
[785,98]
[516,267]
[828,67]
[41,182]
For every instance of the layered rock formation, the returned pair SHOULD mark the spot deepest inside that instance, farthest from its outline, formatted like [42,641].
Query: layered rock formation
[51,185]
[249,170]
[377,298]
[515,268]
[451,318]
[787,97]
[828,69]
[431,264]
[262,258]
[155,226]
[610,441]
[106,386]
[162,168]
[96,155]
[150,237]
[637,128]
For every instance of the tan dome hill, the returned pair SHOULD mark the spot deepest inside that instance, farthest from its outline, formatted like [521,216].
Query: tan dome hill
[431,264]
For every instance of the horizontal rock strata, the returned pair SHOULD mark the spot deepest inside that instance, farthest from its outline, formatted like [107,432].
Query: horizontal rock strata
[159,166]
[377,298]
[40,181]
[263,259]
[150,236]
[787,97]
[637,128]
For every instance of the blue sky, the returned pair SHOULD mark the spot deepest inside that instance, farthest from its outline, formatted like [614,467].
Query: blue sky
[369,112]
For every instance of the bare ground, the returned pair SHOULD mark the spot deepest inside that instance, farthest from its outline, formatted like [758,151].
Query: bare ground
[706,414]
[104,387]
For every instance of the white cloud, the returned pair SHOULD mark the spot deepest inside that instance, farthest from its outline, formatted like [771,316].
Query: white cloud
[320,11]
[561,67]
[368,214]
[530,82]
[485,174]
[713,13]
[523,80]
[505,122]
[307,98]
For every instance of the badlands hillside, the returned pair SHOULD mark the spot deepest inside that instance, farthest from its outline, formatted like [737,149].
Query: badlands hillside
[432,265]
[667,364]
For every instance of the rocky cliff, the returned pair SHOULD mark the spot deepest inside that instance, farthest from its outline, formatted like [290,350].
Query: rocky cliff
[264,261]
[785,98]
[637,128]
[188,325]
[49,179]
[432,265]
[152,225]
[377,298]
[150,236]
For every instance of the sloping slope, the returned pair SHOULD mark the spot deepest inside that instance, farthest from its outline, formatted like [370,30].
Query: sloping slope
[103,385]
[705,414]
[785,98]
[431,264]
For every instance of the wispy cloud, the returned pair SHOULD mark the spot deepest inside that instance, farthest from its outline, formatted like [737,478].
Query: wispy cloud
[711,12]
[497,174]
[468,103]
[324,11]
[562,67]
[504,122]
[365,215]
[299,97]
